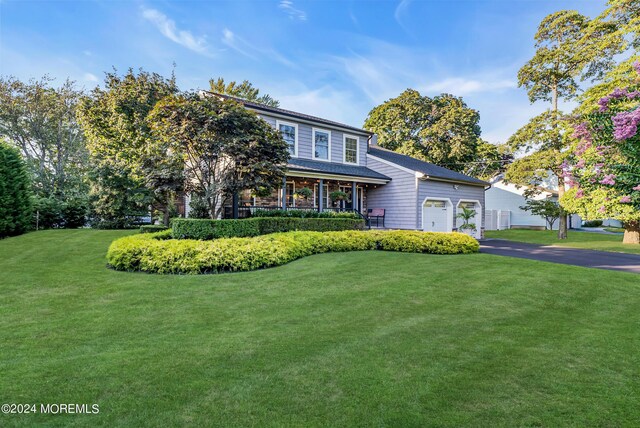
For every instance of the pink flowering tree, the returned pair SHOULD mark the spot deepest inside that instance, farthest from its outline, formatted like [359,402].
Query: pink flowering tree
[604,171]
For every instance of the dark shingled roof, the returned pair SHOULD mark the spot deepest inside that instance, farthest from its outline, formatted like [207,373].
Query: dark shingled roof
[290,113]
[426,168]
[296,164]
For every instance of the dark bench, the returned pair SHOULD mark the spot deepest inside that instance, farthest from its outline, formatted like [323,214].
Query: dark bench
[375,214]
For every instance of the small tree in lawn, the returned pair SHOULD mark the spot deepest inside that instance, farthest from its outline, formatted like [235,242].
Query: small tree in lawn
[545,208]
[226,148]
[605,169]
[466,216]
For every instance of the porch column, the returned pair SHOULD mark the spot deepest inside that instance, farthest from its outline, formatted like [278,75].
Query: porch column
[284,193]
[234,202]
[354,196]
[321,195]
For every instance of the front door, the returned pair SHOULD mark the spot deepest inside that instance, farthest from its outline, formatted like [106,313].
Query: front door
[435,216]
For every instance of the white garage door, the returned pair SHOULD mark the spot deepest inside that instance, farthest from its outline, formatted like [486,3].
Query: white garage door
[435,216]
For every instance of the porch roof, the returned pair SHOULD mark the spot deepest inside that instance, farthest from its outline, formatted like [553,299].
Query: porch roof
[312,168]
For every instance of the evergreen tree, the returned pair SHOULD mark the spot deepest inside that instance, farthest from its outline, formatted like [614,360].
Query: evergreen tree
[15,192]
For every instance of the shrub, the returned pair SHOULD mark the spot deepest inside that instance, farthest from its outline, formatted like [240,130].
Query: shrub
[74,212]
[305,213]
[592,223]
[51,213]
[47,213]
[203,229]
[152,228]
[198,207]
[15,195]
[155,253]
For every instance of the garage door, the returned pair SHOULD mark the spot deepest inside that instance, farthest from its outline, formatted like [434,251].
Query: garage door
[435,216]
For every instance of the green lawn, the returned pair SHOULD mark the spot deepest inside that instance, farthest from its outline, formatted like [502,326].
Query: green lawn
[366,338]
[589,240]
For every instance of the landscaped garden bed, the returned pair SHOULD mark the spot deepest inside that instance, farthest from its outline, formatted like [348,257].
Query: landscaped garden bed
[156,253]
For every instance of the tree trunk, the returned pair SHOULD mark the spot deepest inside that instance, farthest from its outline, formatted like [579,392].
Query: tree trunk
[631,233]
[165,215]
[562,220]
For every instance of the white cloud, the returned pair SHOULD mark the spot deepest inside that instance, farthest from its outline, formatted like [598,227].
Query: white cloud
[325,101]
[464,86]
[295,14]
[90,77]
[247,49]
[237,43]
[401,9]
[168,28]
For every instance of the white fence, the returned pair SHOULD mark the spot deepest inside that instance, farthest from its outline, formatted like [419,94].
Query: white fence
[497,220]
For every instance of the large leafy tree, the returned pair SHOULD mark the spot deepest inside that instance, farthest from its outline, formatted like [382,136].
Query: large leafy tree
[491,161]
[569,48]
[131,167]
[40,120]
[15,192]
[625,16]
[605,167]
[442,130]
[225,147]
[244,90]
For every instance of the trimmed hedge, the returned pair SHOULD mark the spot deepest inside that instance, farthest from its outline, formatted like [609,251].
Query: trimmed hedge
[188,228]
[305,213]
[152,228]
[150,253]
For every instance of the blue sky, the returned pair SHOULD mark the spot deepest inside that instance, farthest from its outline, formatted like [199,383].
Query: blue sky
[334,59]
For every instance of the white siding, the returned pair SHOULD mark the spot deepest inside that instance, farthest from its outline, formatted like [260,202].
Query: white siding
[507,199]
[398,197]
[442,189]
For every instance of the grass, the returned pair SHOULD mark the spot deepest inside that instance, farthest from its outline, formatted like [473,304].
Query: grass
[614,229]
[343,339]
[588,240]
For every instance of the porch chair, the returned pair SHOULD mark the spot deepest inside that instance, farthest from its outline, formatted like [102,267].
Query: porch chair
[375,214]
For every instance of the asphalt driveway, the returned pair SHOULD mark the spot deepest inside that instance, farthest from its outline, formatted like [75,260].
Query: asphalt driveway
[563,255]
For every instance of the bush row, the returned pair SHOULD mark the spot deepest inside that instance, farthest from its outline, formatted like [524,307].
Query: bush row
[152,228]
[188,228]
[155,254]
[303,213]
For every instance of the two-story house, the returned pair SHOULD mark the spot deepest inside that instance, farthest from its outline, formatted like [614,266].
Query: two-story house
[328,156]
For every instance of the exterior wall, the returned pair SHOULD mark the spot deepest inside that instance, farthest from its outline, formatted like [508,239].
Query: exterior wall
[442,189]
[305,142]
[504,198]
[398,197]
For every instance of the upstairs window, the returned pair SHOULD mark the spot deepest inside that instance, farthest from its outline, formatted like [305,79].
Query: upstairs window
[289,133]
[350,149]
[321,144]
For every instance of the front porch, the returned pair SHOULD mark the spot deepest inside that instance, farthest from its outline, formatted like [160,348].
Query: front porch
[322,196]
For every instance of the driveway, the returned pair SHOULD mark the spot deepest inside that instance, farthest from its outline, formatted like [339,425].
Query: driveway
[563,255]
